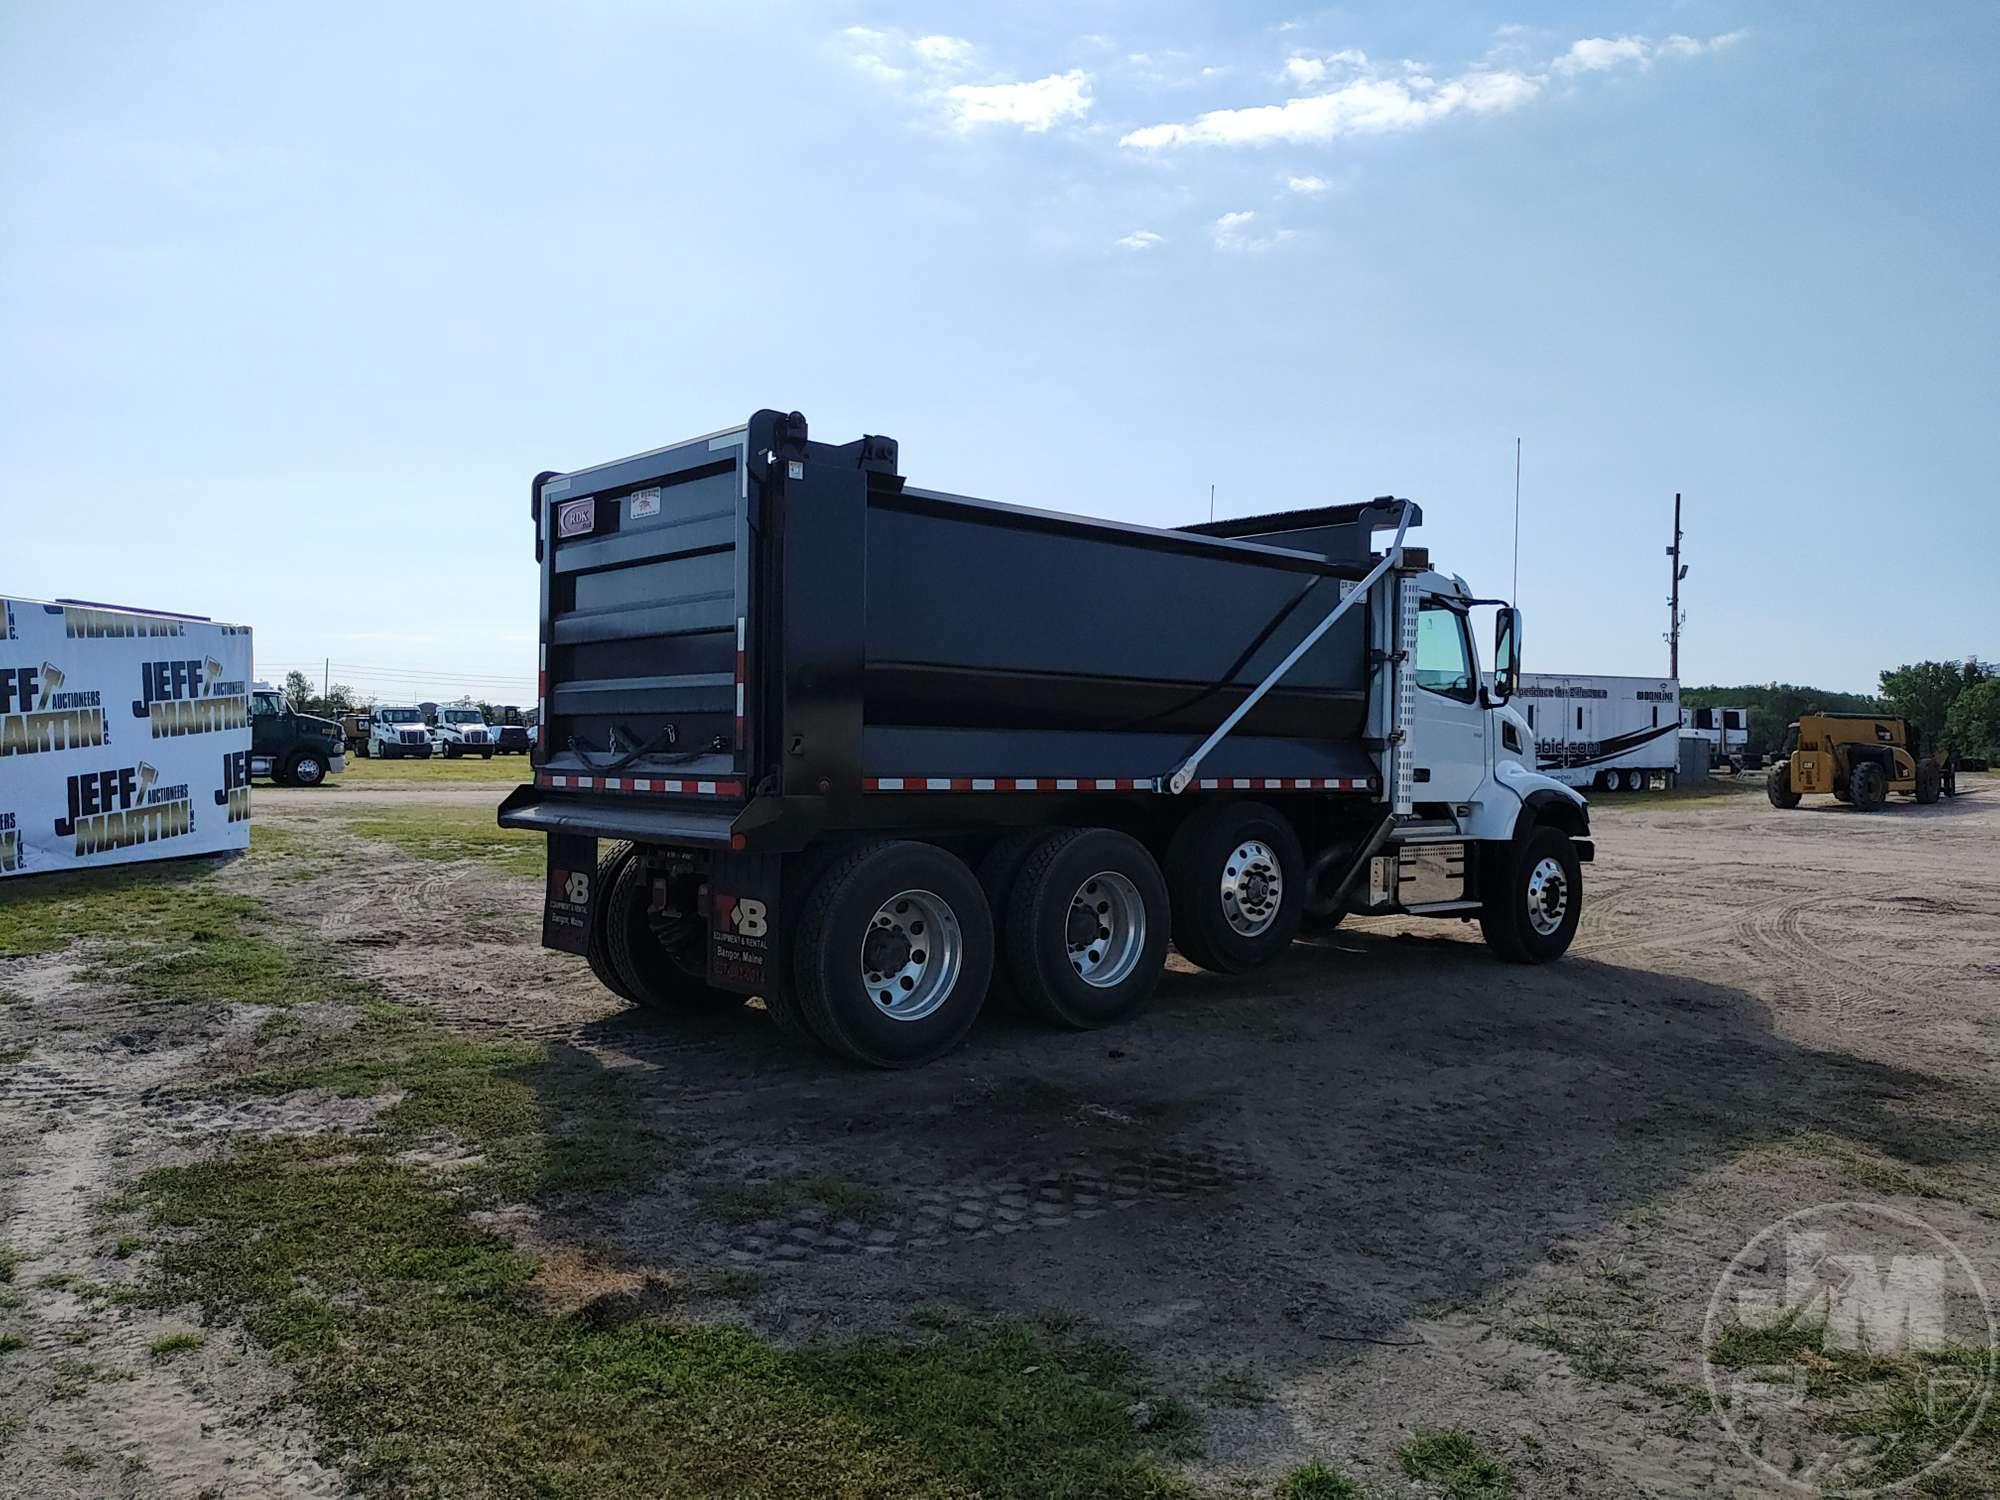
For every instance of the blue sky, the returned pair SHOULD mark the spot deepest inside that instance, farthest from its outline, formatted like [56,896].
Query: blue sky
[294,303]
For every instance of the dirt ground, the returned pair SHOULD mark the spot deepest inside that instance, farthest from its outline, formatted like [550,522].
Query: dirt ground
[1388,1183]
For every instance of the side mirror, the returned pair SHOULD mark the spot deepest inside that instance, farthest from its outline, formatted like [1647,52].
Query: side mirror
[1507,652]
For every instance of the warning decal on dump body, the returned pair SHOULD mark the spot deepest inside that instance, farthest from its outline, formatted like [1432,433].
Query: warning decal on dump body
[739,942]
[566,905]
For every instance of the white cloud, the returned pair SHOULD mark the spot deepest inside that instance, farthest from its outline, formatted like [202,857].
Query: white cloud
[946,52]
[1367,106]
[1033,106]
[1595,54]
[1306,70]
[1376,101]
[1239,232]
[1139,239]
[1598,54]
[1309,186]
[933,73]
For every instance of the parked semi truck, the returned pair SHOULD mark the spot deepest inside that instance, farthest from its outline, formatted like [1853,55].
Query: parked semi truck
[1616,734]
[814,734]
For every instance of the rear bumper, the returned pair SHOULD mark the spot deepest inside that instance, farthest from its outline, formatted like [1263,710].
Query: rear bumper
[534,809]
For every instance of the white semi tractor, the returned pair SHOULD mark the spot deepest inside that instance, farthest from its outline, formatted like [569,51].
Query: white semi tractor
[1613,734]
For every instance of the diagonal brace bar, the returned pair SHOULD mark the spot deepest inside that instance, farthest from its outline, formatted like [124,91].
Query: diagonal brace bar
[1178,782]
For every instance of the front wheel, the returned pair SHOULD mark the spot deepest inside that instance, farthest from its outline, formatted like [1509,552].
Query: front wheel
[894,954]
[305,768]
[486,755]
[1533,898]
[1778,786]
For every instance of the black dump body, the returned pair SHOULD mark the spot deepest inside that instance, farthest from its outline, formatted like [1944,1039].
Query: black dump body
[752,637]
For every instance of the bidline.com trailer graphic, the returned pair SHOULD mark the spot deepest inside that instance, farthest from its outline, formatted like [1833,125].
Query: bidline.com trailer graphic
[123,736]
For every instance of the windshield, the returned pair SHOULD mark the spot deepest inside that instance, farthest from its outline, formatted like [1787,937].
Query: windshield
[462,716]
[268,703]
[399,716]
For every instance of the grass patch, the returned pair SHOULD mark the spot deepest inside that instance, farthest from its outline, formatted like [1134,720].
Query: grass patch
[166,933]
[434,1367]
[1897,1411]
[1318,1481]
[74,1376]
[167,1345]
[9,1342]
[1454,1462]
[1689,794]
[502,770]
[9,1259]
[451,833]
[748,1202]
[128,1245]
[732,1283]
[77,1460]
[1882,1173]
[11,1055]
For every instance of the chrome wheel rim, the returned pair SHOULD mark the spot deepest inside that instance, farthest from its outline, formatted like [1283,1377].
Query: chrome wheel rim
[1548,897]
[911,955]
[1252,887]
[308,769]
[1105,930]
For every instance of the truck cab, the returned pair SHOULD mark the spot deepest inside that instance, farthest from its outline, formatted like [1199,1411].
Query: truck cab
[463,731]
[398,732]
[292,748]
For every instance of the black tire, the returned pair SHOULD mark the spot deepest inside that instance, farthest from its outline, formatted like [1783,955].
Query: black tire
[1314,924]
[1607,781]
[486,755]
[1520,877]
[1198,864]
[660,962]
[998,868]
[1867,787]
[1778,786]
[1084,895]
[1930,783]
[595,954]
[836,936]
[305,768]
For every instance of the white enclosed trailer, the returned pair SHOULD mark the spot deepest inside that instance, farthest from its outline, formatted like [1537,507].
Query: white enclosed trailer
[124,735]
[1726,729]
[1612,733]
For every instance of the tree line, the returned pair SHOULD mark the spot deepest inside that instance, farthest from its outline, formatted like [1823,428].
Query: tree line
[1954,704]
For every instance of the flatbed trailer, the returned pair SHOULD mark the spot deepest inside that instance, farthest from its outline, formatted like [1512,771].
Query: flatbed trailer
[864,749]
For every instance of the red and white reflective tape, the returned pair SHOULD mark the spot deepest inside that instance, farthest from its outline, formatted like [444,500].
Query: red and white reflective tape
[561,781]
[1111,784]
[741,631]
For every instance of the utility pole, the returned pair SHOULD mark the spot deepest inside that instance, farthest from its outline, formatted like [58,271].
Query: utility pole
[326,678]
[1674,616]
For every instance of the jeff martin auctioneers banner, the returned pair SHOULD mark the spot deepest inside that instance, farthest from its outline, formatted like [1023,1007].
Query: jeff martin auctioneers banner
[123,736]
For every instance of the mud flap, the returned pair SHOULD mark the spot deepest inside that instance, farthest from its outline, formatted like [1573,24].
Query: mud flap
[743,946]
[569,897]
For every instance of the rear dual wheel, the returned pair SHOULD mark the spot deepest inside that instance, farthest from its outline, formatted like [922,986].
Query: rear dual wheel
[894,953]
[656,960]
[1086,927]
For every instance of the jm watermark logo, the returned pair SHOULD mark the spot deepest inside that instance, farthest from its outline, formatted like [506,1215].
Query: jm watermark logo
[1850,1349]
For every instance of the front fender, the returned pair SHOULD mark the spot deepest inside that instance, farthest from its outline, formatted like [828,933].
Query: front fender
[1543,799]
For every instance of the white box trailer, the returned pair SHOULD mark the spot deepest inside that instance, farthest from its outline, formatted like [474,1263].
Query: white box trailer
[1611,733]
[1726,729]
[124,736]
